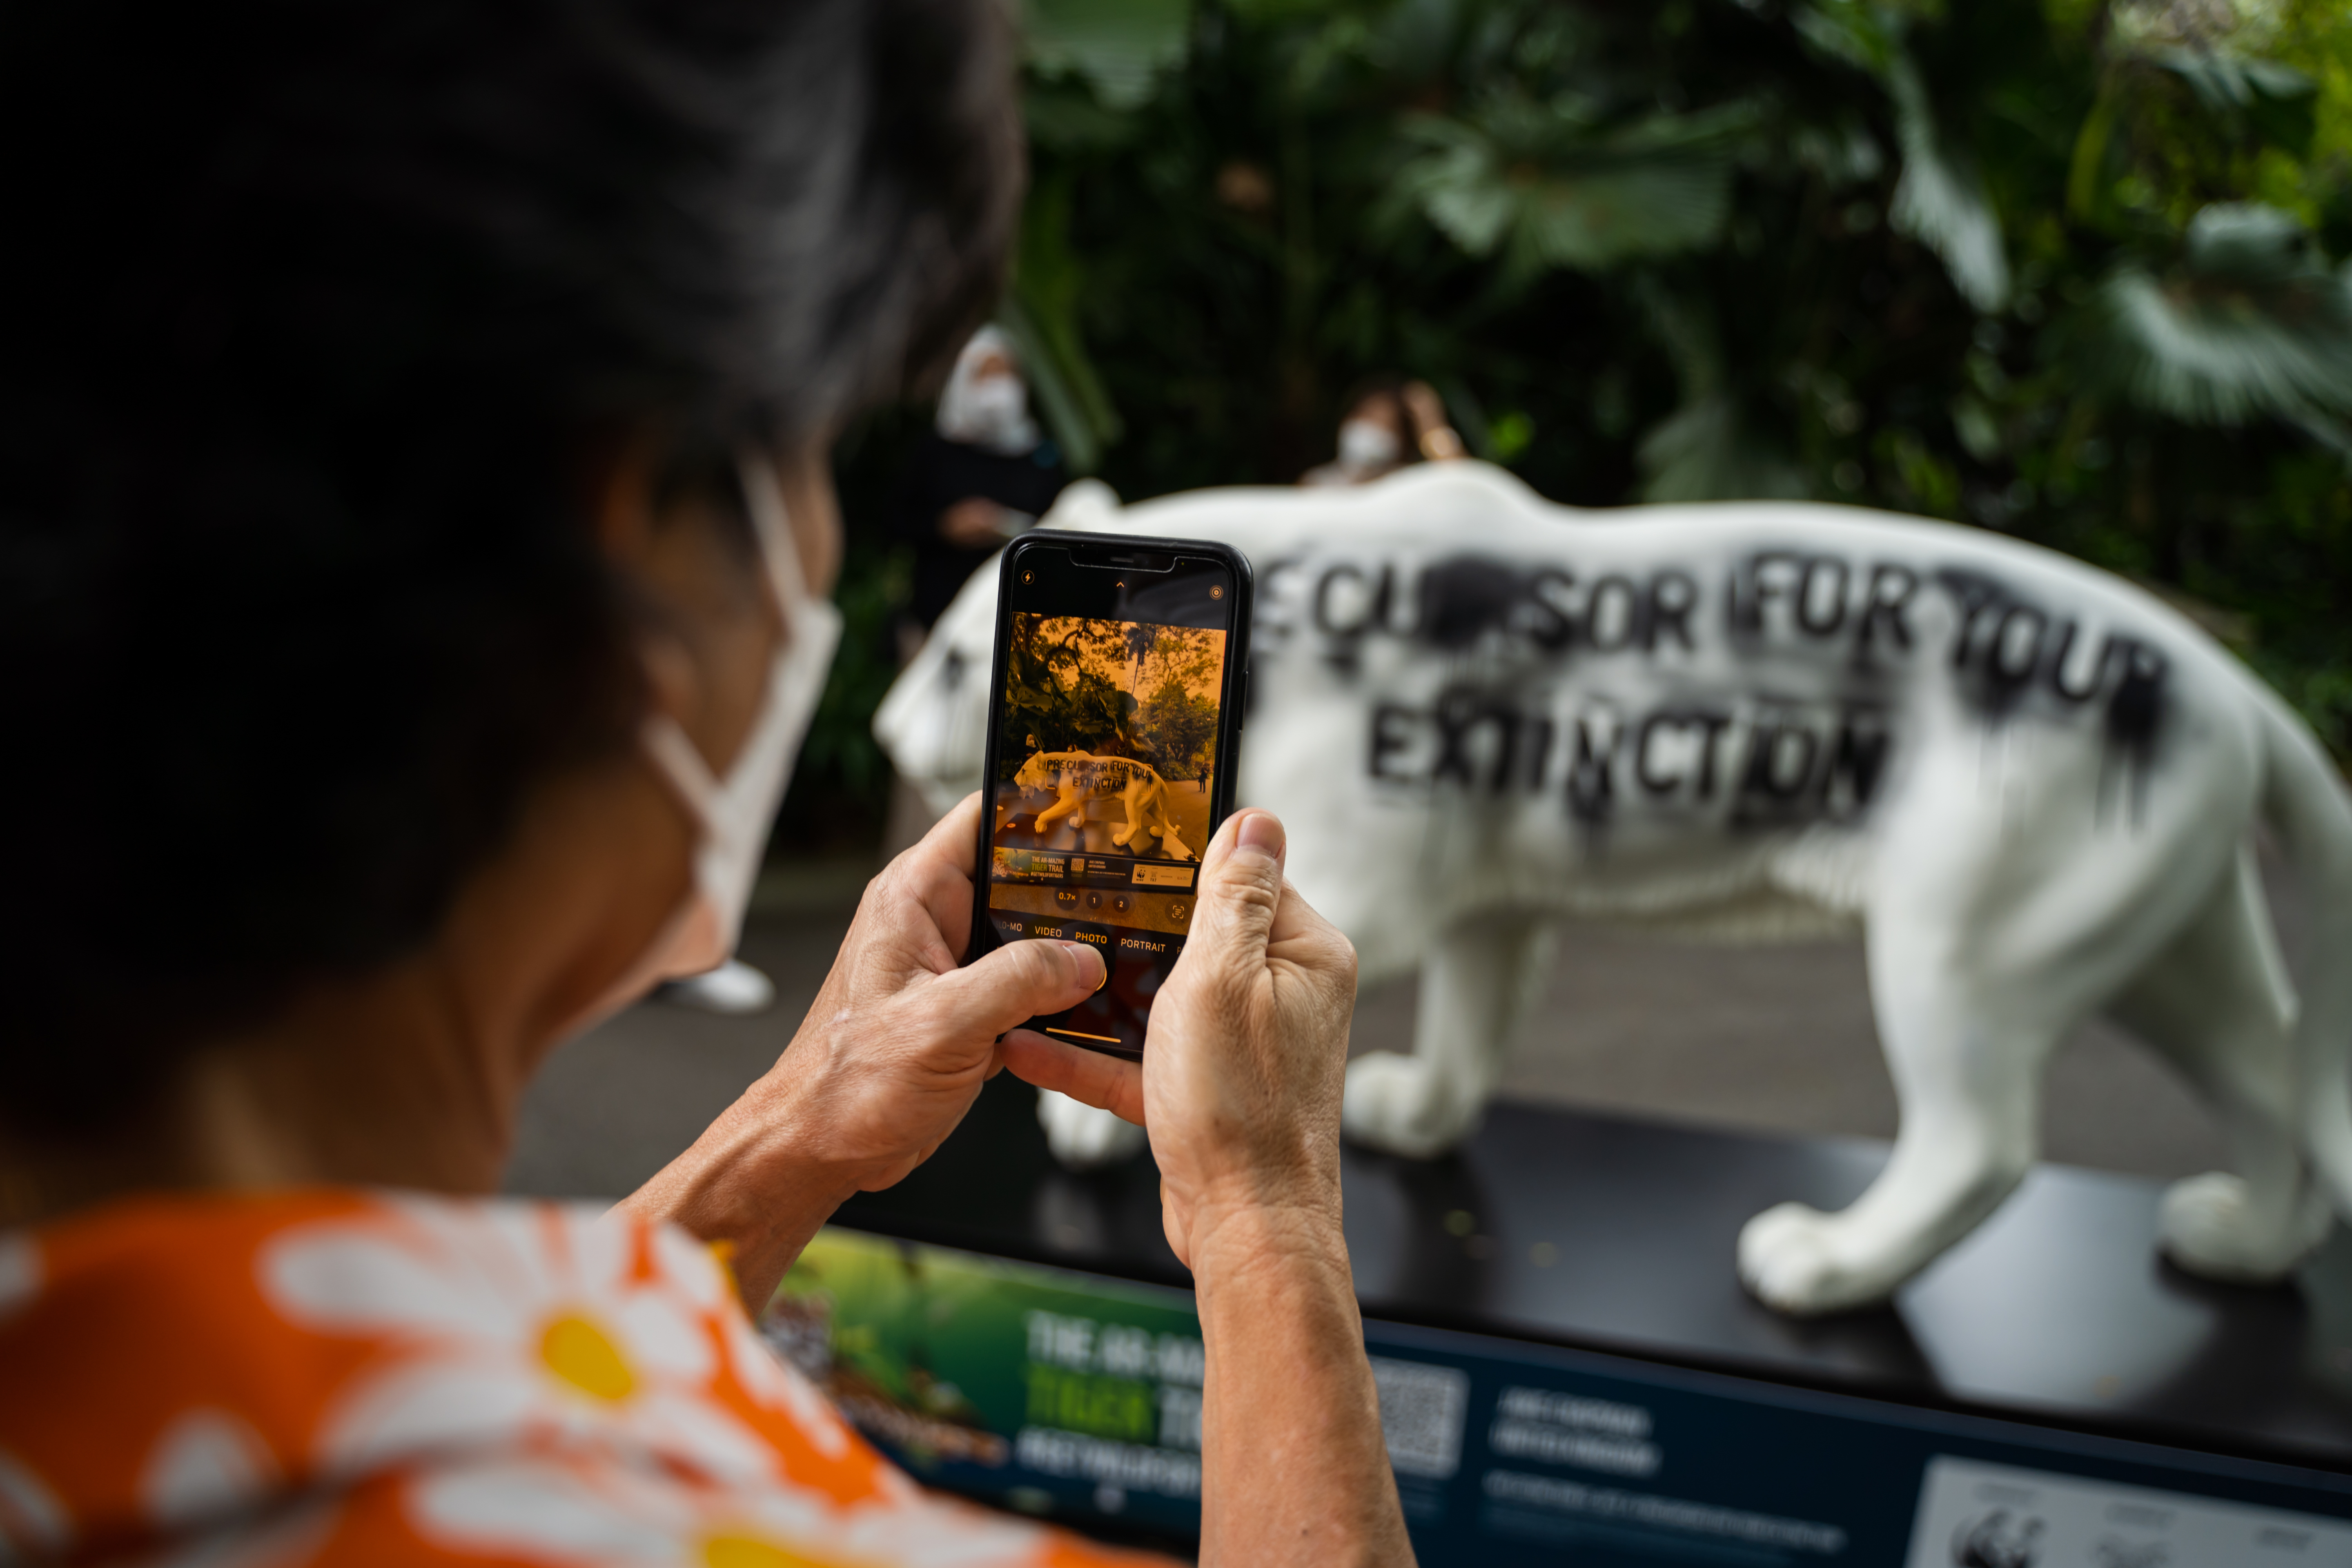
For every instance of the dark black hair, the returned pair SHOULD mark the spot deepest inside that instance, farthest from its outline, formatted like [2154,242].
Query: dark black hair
[312,316]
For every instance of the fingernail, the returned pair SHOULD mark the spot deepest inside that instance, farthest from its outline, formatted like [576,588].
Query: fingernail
[1261,830]
[1087,958]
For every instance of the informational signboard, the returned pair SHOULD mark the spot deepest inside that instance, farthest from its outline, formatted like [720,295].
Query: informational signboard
[1076,1396]
[1992,1516]
[1045,1390]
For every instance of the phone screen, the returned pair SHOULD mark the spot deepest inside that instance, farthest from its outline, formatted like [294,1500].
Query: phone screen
[1110,733]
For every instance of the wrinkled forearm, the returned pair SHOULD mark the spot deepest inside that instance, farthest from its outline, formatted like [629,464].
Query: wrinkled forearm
[1293,1469]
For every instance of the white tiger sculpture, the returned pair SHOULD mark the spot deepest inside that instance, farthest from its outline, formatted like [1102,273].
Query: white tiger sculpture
[1079,777]
[2034,785]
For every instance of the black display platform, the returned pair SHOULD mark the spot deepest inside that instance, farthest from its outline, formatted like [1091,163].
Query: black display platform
[1560,1302]
[1601,1233]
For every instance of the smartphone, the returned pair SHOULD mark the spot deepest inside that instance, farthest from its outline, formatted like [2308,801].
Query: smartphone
[1120,674]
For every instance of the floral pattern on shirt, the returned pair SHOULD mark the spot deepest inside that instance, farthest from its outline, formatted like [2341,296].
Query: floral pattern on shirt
[350,1378]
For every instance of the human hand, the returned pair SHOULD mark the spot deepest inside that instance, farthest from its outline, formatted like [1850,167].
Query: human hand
[1243,1066]
[1239,1088]
[890,1056]
[1434,434]
[973,523]
[900,1038]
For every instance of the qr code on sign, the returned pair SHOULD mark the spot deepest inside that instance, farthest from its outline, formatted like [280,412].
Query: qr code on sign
[1423,1409]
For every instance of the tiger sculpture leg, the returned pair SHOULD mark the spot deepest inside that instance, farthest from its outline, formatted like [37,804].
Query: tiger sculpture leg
[1136,797]
[1071,803]
[1146,799]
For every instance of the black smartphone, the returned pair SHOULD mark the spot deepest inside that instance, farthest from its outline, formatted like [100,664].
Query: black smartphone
[1116,709]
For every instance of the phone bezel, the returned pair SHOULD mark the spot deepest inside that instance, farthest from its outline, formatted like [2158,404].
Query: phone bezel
[1233,697]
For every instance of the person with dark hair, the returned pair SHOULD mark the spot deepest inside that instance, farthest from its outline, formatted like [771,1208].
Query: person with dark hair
[414,530]
[1389,422]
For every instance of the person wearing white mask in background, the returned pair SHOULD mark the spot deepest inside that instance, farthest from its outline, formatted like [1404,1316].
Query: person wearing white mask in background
[415,523]
[982,473]
[1389,422]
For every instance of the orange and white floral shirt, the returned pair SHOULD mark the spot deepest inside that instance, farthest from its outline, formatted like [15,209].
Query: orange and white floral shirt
[351,1378]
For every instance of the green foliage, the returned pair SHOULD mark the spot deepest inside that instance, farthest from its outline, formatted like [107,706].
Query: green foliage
[1088,60]
[1178,731]
[1041,315]
[1940,199]
[1115,46]
[2249,322]
[1058,697]
[2073,270]
[1542,183]
[1069,685]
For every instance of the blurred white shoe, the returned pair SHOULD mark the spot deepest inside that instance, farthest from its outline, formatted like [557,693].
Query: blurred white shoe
[733,990]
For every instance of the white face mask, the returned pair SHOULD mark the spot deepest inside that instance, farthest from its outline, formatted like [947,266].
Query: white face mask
[988,410]
[735,814]
[994,412]
[1364,443]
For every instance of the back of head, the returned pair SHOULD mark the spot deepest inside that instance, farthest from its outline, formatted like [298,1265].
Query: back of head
[314,321]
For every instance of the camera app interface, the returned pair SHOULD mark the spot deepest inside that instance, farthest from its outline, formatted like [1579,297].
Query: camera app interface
[1107,764]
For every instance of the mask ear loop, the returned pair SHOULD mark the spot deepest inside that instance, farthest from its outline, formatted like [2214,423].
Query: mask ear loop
[763,499]
[673,754]
[675,758]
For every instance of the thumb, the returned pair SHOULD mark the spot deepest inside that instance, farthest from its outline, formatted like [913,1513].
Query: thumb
[1241,885]
[1020,981]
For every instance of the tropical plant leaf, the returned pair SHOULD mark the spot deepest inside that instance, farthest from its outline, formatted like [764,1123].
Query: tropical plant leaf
[1707,451]
[2276,100]
[1853,31]
[1041,315]
[1066,116]
[1940,200]
[2096,160]
[1606,215]
[1709,448]
[1120,46]
[1537,178]
[2224,80]
[2250,323]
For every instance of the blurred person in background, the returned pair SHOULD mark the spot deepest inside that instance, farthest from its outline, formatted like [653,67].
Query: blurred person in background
[414,530]
[1389,422]
[981,475]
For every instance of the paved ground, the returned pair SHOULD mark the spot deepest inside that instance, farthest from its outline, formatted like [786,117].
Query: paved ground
[1777,1038]
[1780,1038]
